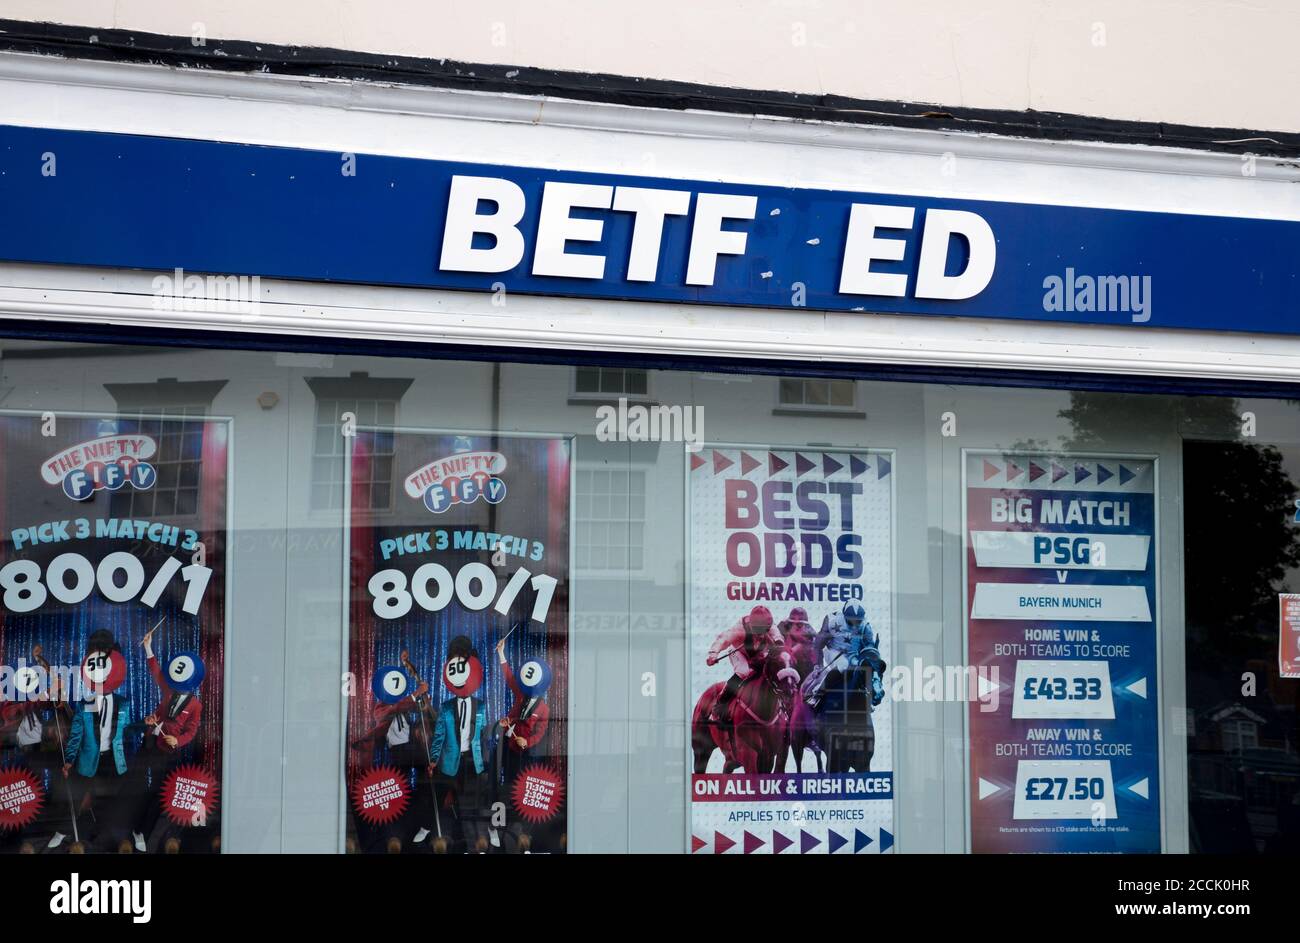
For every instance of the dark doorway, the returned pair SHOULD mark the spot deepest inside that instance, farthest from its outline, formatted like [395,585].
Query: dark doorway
[1243,736]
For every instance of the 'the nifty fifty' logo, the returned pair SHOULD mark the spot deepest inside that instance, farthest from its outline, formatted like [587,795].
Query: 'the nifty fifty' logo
[108,462]
[461,478]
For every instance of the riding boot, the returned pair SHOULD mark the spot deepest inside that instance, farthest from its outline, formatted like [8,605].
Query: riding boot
[720,707]
[812,687]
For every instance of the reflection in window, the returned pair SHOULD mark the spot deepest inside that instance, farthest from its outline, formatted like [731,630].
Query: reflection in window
[178,462]
[170,412]
[1241,550]
[328,449]
[609,381]
[817,392]
[611,519]
[373,401]
[1240,735]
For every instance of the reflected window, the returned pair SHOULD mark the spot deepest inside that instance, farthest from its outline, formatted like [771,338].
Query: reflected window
[1240,735]
[816,393]
[602,382]
[369,401]
[611,517]
[165,410]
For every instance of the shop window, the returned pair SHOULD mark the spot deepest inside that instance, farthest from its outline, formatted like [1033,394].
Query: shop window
[738,523]
[817,395]
[374,402]
[611,519]
[609,382]
[166,411]
[1241,552]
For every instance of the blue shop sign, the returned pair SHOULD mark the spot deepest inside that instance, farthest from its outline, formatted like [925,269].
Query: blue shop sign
[131,201]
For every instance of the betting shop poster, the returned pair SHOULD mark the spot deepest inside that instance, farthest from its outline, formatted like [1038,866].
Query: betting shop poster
[1288,638]
[791,615]
[459,555]
[1060,556]
[112,632]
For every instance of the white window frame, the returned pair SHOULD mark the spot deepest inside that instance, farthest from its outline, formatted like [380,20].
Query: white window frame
[852,409]
[580,521]
[601,396]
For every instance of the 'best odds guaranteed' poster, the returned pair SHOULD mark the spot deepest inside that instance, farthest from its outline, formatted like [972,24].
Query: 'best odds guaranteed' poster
[458,647]
[791,738]
[1061,580]
[112,632]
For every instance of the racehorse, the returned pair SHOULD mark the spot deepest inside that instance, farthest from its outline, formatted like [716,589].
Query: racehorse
[840,726]
[799,638]
[803,725]
[753,735]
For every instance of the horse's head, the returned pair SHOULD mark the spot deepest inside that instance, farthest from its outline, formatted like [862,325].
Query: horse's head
[857,677]
[859,680]
[782,673]
[797,634]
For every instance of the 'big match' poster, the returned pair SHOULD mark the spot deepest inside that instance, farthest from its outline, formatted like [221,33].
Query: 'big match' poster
[458,650]
[1061,565]
[112,632]
[791,615]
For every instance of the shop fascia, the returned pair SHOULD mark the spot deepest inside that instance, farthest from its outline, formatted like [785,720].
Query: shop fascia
[561,232]
[712,234]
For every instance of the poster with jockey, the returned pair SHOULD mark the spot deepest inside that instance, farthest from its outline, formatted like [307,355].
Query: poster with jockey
[791,623]
[458,642]
[113,591]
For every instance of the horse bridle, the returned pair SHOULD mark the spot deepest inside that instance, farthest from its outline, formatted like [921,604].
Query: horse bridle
[780,703]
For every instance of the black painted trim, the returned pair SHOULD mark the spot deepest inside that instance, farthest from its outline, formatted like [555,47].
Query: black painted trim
[121,336]
[240,56]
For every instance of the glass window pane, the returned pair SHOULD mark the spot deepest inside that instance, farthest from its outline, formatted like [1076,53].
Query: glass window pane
[1181,500]
[611,380]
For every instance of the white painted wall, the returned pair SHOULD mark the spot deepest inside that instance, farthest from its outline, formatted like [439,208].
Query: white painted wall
[1221,63]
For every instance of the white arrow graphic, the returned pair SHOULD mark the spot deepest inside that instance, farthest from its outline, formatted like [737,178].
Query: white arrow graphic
[987,788]
[1139,687]
[986,686]
[1142,787]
